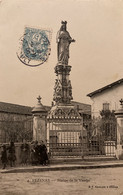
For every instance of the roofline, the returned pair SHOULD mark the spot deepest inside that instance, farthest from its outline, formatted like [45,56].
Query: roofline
[72,101]
[16,104]
[18,113]
[27,113]
[104,88]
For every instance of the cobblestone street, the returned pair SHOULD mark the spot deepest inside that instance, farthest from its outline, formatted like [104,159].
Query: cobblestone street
[92,181]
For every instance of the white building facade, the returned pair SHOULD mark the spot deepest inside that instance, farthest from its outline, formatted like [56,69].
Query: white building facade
[107,97]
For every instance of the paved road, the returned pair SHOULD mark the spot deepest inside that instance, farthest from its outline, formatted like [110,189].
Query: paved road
[85,182]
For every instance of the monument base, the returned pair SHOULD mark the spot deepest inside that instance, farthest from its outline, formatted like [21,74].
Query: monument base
[65,131]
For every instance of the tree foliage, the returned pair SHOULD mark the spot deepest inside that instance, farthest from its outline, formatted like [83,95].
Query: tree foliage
[16,130]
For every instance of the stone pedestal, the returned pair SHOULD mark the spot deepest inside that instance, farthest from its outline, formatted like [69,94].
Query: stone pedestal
[39,122]
[119,117]
[65,131]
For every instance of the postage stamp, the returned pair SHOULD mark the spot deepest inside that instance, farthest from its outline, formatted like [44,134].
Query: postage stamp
[34,46]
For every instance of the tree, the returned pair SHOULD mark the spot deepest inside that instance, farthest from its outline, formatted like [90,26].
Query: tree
[108,125]
[16,130]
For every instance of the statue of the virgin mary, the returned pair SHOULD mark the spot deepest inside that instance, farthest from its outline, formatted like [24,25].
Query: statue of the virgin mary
[63,42]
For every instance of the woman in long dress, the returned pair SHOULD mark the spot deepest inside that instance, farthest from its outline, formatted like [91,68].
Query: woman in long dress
[11,154]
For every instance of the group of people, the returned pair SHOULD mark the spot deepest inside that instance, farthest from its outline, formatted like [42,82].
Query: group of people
[36,153]
[11,157]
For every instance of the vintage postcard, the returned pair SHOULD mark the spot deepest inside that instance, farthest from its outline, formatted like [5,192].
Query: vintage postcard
[61,100]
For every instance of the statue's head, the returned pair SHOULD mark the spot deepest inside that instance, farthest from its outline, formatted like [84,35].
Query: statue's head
[63,26]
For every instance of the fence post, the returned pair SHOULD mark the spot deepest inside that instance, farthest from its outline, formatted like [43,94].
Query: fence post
[119,117]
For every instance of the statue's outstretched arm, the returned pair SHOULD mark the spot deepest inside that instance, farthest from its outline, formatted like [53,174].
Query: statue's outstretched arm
[73,40]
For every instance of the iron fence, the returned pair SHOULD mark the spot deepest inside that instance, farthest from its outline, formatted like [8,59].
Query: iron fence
[69,138]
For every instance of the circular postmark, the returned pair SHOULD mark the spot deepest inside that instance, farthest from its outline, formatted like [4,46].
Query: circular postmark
[34,47]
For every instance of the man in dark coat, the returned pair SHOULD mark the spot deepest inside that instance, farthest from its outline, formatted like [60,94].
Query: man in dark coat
[43,154]
[4,156]
[34,152]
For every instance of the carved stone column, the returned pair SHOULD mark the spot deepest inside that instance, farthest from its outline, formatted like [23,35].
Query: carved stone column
[63,88]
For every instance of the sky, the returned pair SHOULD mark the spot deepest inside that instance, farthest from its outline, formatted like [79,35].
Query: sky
[96,57]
